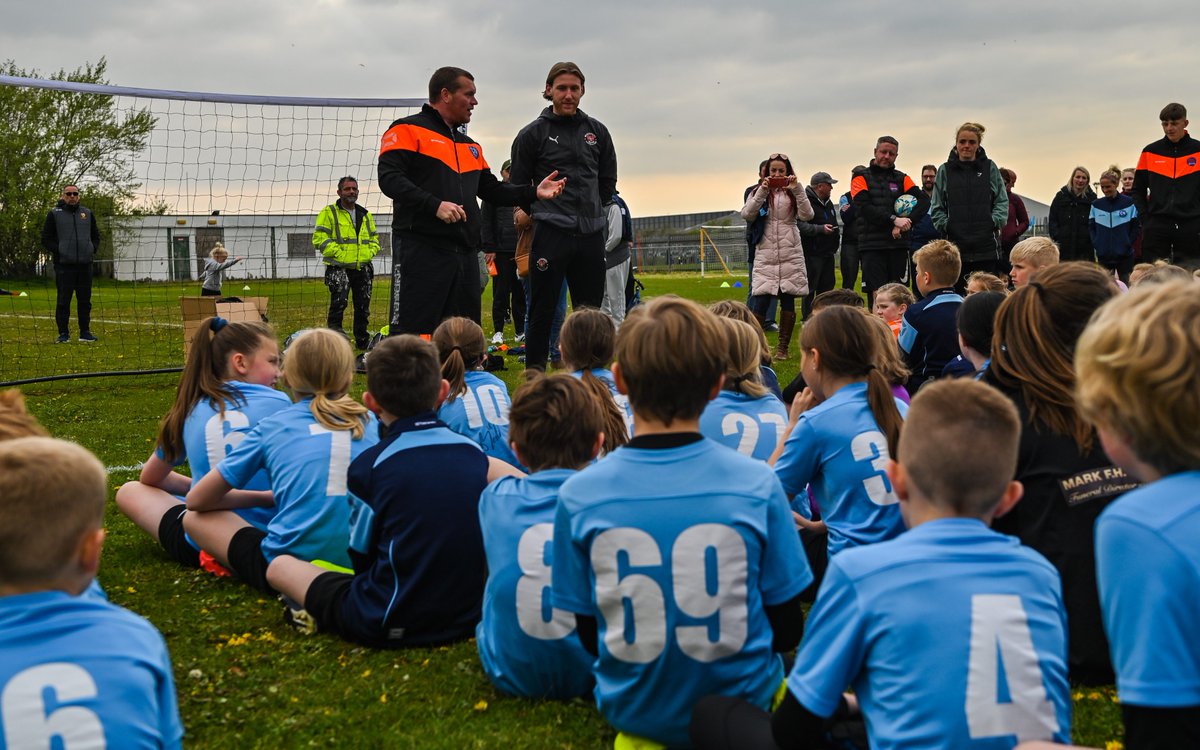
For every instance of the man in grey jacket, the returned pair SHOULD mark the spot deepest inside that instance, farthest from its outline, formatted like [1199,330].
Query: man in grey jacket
[71,236]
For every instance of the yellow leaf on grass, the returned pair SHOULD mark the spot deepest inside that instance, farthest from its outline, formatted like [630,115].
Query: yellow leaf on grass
[481,706]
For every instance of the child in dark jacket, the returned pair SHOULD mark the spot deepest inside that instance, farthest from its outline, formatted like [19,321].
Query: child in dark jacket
[1114,226]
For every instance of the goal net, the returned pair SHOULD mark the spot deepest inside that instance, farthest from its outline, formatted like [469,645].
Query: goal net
[249,172]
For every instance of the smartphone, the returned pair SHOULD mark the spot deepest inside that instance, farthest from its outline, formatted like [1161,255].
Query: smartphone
[777,182]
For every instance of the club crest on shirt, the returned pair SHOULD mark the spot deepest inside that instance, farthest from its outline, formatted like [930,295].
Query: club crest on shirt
[542,264]
[83,215]
[474,151]
[893,187]
[590,139]
[1191,162]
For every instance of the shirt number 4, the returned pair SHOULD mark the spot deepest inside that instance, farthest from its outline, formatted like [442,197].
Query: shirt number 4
[708,572]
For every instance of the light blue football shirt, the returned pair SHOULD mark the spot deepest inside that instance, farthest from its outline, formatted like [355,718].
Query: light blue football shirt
[953,636]
[677,552]
[1148,571]
[306,464]
[751,426]
[838,448]
[605,376]
[481,413]
[528,648]
[209,436]
[80,672]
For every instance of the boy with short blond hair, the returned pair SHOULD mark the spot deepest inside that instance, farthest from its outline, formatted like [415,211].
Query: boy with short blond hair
[1030,256]
[1137,366]
[986,666]
[929,332]
[56,647]
[678,556]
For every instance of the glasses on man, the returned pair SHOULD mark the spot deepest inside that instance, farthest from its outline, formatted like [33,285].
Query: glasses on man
[70,193]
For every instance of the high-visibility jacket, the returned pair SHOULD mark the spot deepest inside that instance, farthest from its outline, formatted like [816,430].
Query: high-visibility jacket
[346,238]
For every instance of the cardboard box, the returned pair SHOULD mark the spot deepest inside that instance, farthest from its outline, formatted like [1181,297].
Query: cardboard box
[197,309]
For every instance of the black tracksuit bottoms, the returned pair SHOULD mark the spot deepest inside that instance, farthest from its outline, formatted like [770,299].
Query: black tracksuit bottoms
[559,254]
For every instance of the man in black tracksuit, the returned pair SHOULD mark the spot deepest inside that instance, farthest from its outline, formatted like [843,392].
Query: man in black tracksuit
[1170,170]
[433,173]
[71,236]
[568,230]
[882,241]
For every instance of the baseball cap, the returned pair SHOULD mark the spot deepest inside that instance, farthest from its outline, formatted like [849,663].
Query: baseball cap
[820,177]
[507,163]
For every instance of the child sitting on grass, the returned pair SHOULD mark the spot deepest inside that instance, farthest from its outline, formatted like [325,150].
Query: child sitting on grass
[415,543]
[1137,366]
[891,302]
[527,647]
[72,667]
[744,416]
[928,335]
[676,555]
[951,635]
[586,343]
[1030,256]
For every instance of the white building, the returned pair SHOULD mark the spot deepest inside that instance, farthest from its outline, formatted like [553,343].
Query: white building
[272,246]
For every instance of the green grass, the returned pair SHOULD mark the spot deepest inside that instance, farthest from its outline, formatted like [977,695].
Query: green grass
[244,679]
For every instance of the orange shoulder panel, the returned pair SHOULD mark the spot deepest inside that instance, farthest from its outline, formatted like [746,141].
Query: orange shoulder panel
[1186,165]
[470,157]
[408,137]
[1144,160]
[857,185]
[908,184]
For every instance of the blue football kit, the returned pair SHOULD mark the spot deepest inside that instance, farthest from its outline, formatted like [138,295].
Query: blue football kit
[838,448]
[481,413]
[952,636]
[527,647]
[414,537]
[1148,571]
[306,464]
[79,672]
[676,552]
[209,436]
[605,376]
[751,426]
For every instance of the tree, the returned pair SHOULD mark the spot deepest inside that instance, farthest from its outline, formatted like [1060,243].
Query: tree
[50,138]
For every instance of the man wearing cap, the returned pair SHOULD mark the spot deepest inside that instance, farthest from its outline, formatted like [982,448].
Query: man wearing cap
[433,172]
[819,236]
[499,251]
[568,229]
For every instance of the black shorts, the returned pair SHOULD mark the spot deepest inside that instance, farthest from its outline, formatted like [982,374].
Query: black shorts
[324,600]
[174,541]
[246,558]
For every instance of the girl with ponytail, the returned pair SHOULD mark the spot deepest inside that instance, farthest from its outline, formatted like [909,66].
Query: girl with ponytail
[842,431]
[226,388]
[478,403]
[305,451]
[586,341]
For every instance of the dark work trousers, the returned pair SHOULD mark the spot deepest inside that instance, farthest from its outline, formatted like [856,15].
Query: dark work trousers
[342,282]
[881,267]
[849,263]
[821,278]
[435,283]
[507,294]
[73,278]
[1178,243]
[558,254]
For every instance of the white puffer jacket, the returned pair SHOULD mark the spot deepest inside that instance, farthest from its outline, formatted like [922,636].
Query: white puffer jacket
[779,257]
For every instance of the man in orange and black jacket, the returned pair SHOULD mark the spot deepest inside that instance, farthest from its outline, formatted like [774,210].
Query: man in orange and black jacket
[1169,169]
[433,173]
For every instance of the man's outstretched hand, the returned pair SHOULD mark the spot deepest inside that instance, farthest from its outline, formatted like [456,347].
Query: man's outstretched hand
[550,187]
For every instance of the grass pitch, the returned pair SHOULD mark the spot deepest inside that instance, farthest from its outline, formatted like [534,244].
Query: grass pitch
[244,679]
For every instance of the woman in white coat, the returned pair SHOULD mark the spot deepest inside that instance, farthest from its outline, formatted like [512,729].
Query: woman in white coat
[779,258]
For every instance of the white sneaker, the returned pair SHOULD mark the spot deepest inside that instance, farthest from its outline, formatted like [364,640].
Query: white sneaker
[520,338]
[498,338]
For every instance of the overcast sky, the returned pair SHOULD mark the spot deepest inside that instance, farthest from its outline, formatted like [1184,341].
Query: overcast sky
[695,94]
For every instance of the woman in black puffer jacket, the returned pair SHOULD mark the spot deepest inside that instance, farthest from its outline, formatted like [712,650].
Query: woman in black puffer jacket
[1069,213]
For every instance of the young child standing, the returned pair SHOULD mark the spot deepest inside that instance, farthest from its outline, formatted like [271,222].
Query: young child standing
[952,636]
[1114,226]
[478,404]
[843,430]
[1137,366]
[214,270]
[529,648]
[419,567]
[73,667]
[928,336]
[891,302]
[226,389]
[586,342]
[744,416]
[304,450]
[676,555]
